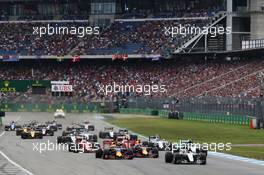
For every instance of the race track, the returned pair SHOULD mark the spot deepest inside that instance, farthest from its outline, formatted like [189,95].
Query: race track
[65,163]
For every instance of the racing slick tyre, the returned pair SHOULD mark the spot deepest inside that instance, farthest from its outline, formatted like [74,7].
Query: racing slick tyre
[146,143]
[7,128]
[154,153]
[59,140]
[51,133]
[59,126]
[203,162]
[64,133]
[99,153]
[101,135]
[203,159]
[18,132]
[129,155]
[23,136]
[177,159]
[91,128]
[168,157]
[133,137]
[105,154]
[39,136]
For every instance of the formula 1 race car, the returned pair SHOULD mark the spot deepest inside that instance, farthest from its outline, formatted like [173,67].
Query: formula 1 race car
[145,152]
[89,137]
[59,126]
[59,113]
[54,125]
[46,131]
[83,146]
[113,152]
[108,133]
[187,153]
[64,139]
[88,126]
[125,141]
[161,144]
[73,132]
[31,134]
[123,131]
[12,127]
[19,131]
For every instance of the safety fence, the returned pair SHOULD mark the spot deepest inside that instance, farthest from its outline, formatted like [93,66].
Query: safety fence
[203,105]
[164,113]
[70,108]
[97,108]
[229,119]
[139,111]
[212,118]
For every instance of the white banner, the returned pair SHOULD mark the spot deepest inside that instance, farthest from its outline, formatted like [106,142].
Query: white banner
[59,82]
[61,88]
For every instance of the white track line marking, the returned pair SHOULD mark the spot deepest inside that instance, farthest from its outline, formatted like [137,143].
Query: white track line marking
[15,164]
[11,161]
[237,158]
[2,133]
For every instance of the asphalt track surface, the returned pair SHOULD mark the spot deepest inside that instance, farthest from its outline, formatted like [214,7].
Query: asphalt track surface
[64,163]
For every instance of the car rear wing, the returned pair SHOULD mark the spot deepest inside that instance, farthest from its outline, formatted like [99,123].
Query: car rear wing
[108,128]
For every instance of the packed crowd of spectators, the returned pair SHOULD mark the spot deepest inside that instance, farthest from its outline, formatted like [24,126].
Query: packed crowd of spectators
[19,38]
[181,79]
[141,37]
[237,81]
[146,37]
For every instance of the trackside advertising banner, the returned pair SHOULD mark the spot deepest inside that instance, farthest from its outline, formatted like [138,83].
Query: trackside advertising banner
[61,88]
[21,85]
[60,82]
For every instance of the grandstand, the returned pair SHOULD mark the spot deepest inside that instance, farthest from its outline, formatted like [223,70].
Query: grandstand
[134,32]
[153,80]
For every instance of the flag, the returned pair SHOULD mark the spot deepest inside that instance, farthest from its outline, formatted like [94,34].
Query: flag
[76,58]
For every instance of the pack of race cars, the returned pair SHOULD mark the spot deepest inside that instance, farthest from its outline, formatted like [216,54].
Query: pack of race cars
[34,129]
[120,144]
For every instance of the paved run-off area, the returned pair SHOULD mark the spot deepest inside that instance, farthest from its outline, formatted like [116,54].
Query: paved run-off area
[29,161]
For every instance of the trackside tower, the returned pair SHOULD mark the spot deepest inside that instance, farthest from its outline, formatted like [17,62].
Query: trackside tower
[238,19]
[257,18]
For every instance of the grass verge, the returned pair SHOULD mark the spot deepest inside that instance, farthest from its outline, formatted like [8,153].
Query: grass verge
[250,152]
[199,132]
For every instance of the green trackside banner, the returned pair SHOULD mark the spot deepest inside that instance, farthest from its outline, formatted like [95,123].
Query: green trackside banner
[69,108]
[21,85]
